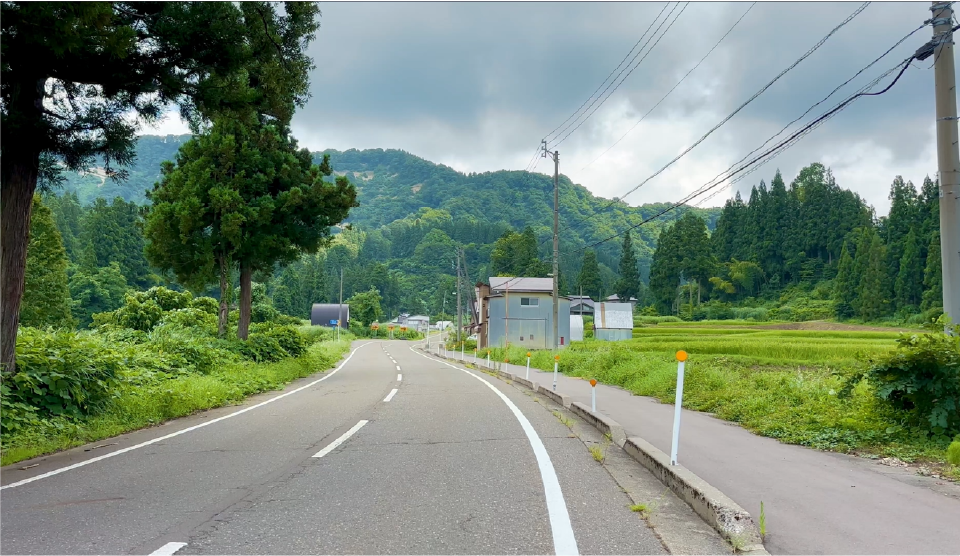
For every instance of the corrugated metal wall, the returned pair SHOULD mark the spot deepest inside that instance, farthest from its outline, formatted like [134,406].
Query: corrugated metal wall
[527,325]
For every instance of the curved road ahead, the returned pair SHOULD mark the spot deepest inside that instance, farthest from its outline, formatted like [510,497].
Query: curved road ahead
[391,453]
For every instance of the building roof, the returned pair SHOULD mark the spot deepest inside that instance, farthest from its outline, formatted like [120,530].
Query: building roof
[614,315]
[615,299]
[502,283]
[418,318]
[577,300]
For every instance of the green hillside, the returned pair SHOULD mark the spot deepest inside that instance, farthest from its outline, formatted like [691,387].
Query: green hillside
[393,185]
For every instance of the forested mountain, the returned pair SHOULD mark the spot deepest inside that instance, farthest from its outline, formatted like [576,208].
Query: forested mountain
[404,197]
[811,241]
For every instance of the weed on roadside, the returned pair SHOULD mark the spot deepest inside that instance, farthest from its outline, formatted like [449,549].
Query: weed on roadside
[762,522]
[598,453]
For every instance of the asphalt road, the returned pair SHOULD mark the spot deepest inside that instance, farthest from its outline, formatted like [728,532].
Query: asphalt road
[415,457]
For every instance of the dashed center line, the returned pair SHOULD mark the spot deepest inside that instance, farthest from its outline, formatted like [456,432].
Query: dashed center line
[390,395]
[168,549]
[399,378]
[398,367]
[343,438]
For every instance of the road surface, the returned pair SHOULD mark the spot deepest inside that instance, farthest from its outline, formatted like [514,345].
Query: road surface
[391,453]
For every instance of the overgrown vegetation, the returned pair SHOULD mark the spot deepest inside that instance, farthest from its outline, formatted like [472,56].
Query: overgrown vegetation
[155,358]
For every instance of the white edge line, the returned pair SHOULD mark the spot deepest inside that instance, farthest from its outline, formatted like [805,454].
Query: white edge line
[186,430]
[390,395]
[564,541]
[168,549]
[343,438]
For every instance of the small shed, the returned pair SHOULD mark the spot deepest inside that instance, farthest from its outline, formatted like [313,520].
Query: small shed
[613,321]
[327,314]
[576,328]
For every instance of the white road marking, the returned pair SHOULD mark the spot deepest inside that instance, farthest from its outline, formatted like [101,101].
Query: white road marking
[343,438]
[186,430]
[398,367]
[168,549]
[399,378]
[564,541]
[390,395]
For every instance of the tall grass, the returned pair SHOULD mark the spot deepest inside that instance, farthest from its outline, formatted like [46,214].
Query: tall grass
[134,407]
[787,384]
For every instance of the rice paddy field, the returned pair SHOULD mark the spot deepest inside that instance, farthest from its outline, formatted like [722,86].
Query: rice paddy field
[797,382]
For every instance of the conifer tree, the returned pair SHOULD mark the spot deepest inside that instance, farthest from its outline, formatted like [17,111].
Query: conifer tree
[629,283]
[46,297]
[933,275]
[589,278]
[909,283]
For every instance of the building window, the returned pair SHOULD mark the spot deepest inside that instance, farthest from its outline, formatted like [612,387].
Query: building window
[529,302]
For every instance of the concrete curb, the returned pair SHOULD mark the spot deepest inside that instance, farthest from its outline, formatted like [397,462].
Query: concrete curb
[602,423]
[719,511]
[528,383]
[561,399]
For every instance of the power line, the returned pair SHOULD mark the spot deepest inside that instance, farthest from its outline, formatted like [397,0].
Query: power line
[770,153]
[611,72]
[635,66]
[735,112]
[674,87]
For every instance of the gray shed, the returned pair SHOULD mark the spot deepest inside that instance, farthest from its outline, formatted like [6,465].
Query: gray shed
[613,321]
[327,314]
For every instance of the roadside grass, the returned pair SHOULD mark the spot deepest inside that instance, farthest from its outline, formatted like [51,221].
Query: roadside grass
[786,384]
[135,407]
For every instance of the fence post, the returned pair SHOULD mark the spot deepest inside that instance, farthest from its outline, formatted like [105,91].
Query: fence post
[556,364]
[678,405]
[593,395]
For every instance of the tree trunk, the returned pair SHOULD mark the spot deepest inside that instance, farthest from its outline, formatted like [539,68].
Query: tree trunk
[246,294]
[698,292]
[224,317]
[16,204]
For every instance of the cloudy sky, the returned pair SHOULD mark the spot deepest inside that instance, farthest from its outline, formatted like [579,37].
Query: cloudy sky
[476,86]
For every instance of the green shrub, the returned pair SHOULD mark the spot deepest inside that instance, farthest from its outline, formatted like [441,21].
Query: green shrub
[263,312]
[923,377]
[953,453]
[62,372]
[261,348]
[136,313]
[188,350]
[191,317]
[289,338]
[206,304]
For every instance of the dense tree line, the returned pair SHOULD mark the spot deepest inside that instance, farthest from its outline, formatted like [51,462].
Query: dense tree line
[810,233]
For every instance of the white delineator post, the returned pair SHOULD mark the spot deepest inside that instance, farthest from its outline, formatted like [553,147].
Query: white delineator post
[488,358]
[556,364]
[462,347]
[528,365]
[593,395]
[677,407]
[475,355]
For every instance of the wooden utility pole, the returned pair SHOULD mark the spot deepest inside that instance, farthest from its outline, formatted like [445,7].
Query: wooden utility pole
[948,157]
[340,305]
[459,305]
[555,155]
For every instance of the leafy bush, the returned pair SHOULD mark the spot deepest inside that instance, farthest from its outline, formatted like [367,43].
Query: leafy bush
[190,351]
[263,312]
[261,348]
[953,452]
[62,372]
[923,378]
[289,338]
[191,318]
[205,304]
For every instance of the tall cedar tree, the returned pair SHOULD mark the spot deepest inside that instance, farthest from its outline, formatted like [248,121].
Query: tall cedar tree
[46,301]
[909,282]
[629,284]
[68,91]
[933,275]
[589,278]
[289,206]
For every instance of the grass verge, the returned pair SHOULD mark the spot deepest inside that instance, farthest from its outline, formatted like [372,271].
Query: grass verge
[800,387]
[136,407]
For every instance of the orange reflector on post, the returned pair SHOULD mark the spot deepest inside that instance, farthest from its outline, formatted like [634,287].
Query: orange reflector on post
[556,357]
[593,382]
[681,355]
[528,354]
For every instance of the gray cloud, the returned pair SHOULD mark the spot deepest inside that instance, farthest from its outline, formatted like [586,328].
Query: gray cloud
[476,85]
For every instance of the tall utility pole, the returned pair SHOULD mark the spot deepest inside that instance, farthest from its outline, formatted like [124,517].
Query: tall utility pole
[948,157]
[555,155]
[340,306]
[459,306]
